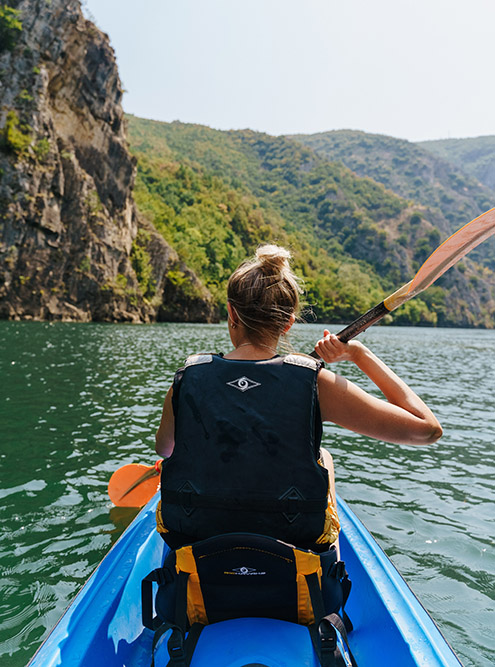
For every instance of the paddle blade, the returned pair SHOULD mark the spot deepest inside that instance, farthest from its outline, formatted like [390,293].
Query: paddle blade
[445,256]
[452,250]
[133,485]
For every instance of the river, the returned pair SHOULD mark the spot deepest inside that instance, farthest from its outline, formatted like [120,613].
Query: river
[79,400]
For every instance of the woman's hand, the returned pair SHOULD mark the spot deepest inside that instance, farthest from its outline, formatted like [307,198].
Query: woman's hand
[331,349]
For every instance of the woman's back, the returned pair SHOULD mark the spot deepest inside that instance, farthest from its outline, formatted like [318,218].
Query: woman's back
[247,444]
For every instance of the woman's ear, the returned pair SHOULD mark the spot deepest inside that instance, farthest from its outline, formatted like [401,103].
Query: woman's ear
[234,318]
[292,319]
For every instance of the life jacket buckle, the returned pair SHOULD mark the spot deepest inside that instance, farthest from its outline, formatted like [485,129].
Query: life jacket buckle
[328,637]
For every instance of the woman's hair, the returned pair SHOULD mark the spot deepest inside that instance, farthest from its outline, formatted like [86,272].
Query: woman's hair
[264,292]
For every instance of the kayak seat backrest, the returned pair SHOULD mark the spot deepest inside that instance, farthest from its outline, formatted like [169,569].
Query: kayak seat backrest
[240,575]
[246,575]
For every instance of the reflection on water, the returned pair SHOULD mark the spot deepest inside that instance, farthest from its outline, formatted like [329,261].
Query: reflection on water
[78,401]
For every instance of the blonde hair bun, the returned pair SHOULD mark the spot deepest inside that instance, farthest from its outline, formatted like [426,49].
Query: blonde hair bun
[273,258]
[264,292]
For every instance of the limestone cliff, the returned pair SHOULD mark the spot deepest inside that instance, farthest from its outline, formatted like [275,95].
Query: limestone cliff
[72,245]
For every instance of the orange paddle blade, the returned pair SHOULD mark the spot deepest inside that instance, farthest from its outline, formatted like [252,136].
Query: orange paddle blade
[133,485]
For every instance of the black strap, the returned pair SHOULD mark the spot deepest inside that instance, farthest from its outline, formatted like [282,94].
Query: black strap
[328,640]
[192,500]
[180,650]
[315,595]
[346,587]
[327,657]
[175,645]
[176,648]
[160,576]
[324,632]
[181,601]
[339,572]
[346,584]
[191,640]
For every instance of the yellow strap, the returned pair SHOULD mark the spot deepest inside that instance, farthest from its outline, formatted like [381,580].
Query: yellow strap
[306,563]
[159,521]
[196,612]
[331,527]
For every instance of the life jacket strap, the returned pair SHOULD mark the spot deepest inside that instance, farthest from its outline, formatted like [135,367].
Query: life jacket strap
[291,506]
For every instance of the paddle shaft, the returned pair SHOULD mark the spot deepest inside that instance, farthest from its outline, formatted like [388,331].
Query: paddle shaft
[363,322]
[360,324]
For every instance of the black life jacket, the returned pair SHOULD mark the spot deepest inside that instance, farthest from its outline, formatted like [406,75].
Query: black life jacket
[247,439]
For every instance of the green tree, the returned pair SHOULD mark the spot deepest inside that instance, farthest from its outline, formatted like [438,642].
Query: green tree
[10,27]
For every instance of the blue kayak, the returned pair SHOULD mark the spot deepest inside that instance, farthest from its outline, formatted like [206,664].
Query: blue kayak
[103,624]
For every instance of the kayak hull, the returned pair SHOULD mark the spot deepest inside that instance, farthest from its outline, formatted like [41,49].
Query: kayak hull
[103,624]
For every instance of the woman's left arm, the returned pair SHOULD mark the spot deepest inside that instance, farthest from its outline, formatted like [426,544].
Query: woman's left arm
[164,438]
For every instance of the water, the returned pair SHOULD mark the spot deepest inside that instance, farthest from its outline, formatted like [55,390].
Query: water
[77,401]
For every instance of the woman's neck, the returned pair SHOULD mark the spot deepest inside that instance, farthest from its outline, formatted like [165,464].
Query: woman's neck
[253,351]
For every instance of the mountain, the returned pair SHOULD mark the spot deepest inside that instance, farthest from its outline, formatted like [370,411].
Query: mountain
[72,243]
[474,156]
[339,225]
[95,228]
[451,196]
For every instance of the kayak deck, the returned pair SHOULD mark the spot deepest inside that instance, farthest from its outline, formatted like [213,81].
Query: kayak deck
[103,623]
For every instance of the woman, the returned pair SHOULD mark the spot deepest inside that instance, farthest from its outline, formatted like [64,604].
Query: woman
[241,432]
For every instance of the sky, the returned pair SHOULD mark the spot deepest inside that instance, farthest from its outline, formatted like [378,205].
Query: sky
[412,69]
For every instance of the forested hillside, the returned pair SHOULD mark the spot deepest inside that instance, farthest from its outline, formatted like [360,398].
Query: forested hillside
[451,196]
[215,195]
[475,156]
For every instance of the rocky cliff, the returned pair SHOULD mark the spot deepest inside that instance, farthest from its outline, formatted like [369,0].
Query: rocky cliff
[72,245]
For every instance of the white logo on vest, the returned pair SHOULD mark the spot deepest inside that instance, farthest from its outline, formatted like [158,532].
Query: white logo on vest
[243,383]
[244,571]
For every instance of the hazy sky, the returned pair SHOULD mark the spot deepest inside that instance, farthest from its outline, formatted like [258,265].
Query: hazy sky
[415,69]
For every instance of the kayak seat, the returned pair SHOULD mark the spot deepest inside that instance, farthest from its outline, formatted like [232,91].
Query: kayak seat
[249,642]
[243,575]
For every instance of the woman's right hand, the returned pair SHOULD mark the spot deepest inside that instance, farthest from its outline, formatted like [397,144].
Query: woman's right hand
[331,349]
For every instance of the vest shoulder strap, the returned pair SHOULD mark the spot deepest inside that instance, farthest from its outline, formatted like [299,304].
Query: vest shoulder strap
[303,360]
[197,359]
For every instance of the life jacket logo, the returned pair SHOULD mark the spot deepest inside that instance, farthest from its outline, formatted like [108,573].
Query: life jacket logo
[243,383]
[243,571]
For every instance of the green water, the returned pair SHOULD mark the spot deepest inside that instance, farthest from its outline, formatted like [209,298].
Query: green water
[77,401]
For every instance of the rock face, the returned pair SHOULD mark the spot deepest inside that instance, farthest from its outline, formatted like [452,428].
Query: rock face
[72,245]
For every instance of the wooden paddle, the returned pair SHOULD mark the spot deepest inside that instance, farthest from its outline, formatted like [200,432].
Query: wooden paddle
[445,256]
[134,484]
